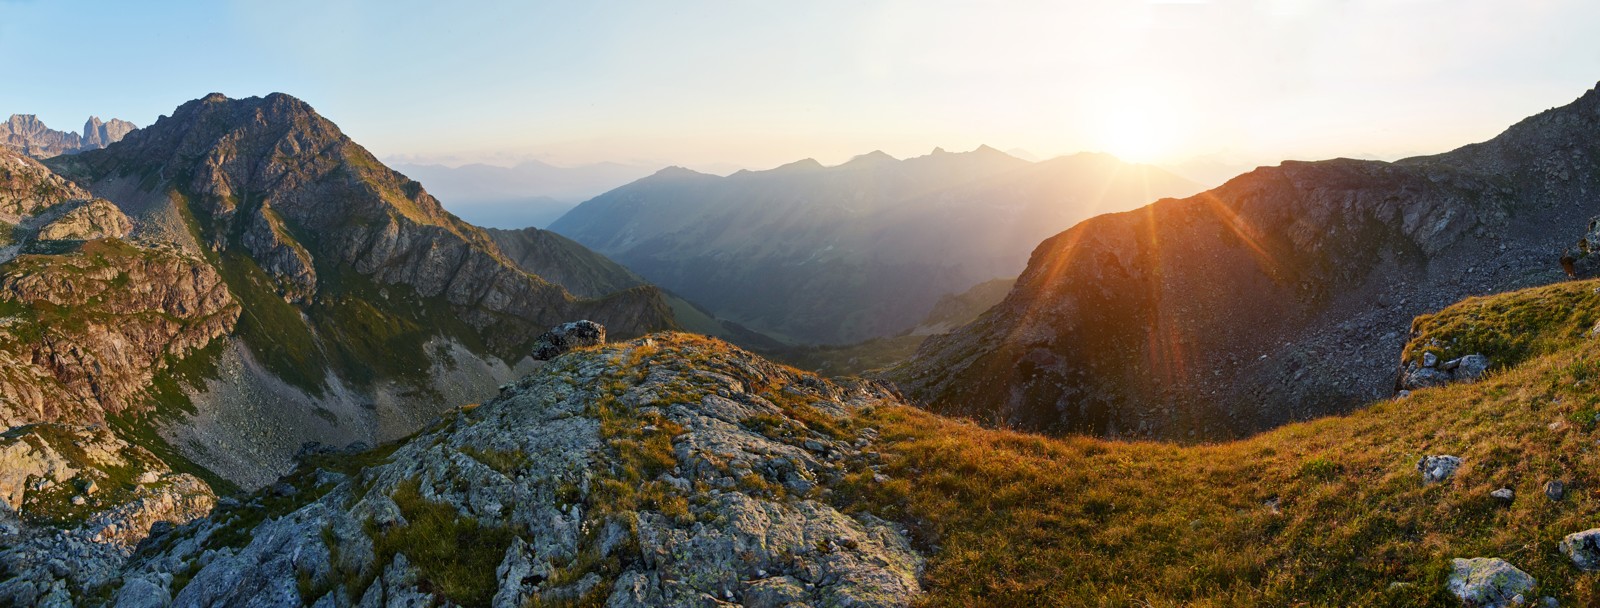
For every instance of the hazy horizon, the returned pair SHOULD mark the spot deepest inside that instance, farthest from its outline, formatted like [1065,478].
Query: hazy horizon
[717,86]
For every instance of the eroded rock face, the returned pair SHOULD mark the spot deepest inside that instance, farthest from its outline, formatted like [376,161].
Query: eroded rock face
[95,219]
[130,310]
[1490,582]
[28,188]
[667,471]
[566,337]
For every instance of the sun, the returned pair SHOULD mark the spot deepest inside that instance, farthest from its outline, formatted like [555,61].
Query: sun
[1137,134]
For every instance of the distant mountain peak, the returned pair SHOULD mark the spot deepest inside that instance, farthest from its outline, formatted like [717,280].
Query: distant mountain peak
[804,164]
[677,171]
[986,150]
[873,158]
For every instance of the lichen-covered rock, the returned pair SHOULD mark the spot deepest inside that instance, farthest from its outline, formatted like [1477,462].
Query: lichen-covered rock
[568,336]
[1428,372]
[1489,582]
[1435,469]
[95,219]
[672,470]
[1583,548]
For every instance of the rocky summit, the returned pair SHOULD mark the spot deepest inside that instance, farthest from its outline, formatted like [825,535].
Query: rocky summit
[672,470]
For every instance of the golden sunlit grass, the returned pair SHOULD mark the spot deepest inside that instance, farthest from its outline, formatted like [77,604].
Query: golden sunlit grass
[1326,513]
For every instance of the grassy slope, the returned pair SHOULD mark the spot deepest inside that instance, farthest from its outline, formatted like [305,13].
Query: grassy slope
[1025,520]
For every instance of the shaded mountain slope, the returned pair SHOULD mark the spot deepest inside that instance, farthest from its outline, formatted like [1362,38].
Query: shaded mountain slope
[564,262]
[839,254]
[529,194]
[1274,297]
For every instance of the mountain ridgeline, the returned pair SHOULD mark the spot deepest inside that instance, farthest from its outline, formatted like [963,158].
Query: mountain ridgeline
[1281,295]
[821,255]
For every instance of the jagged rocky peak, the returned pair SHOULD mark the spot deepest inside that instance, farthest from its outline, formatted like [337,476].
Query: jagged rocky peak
[26,133]
[97,134]
[670,470]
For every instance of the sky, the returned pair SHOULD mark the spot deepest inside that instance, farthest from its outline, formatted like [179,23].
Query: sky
[719,84]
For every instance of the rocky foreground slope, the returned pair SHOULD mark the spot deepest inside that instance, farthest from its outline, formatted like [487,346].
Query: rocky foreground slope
[668,471]
[676,470]
[1278,296]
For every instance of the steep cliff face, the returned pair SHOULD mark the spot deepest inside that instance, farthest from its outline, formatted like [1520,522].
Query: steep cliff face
[1280,295]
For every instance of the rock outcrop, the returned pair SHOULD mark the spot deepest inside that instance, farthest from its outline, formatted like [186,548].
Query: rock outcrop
[1279,296]
[1490,582]
[566,337]
[1429,371]
[1583,548]
[671,470]
[28,188]
[1435,469]
[95,219]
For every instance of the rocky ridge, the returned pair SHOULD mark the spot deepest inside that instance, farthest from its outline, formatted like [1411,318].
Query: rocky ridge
[670,470]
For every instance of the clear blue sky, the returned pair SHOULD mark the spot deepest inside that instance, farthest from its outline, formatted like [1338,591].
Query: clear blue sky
[759,83]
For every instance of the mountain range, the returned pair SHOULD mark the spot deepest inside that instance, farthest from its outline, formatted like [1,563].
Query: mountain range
[1272,298]
[27,134]
[829,255]
[528,194]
